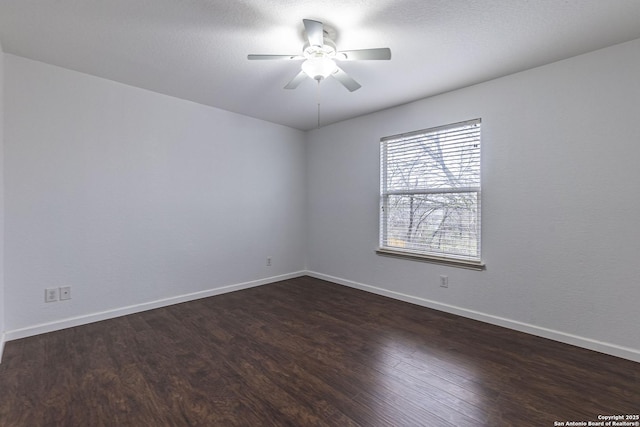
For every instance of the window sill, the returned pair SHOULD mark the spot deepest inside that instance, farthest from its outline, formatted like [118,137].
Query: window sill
[471,265]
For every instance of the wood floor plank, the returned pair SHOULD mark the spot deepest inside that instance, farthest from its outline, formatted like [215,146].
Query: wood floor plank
[306,352]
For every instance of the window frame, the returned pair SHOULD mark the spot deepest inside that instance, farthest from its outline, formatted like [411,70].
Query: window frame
[450,259]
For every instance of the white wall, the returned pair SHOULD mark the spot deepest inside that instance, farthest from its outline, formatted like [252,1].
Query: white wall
[132,197]
[2,328]
[560,205]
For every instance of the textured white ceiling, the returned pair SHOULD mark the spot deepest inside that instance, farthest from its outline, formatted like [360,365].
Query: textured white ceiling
[197,49]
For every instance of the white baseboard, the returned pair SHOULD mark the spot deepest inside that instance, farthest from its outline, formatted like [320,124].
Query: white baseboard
[137,308]
[2,339]
[602,347]
[590,344]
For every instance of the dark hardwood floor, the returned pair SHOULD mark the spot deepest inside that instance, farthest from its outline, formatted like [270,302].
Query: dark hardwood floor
[305,352]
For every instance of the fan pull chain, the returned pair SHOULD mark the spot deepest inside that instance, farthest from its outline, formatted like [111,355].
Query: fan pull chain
[318,101]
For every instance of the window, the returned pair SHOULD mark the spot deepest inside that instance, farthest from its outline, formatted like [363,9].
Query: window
[430,194]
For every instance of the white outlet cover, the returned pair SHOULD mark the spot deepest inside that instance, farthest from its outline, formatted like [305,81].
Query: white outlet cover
[444,281]
[65,293]
[51,295]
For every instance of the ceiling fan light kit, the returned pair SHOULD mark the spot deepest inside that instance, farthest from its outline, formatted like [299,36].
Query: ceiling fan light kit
[319,68]
[319,63]
[320,55]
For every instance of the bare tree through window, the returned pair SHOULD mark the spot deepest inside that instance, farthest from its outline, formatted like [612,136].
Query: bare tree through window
[430,191]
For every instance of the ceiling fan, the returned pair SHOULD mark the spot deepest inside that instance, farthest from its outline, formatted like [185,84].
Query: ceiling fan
[320,55]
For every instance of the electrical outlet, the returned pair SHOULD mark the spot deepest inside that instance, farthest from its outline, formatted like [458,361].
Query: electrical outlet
[268,261]
[65,293]
[444,281]
[51,295]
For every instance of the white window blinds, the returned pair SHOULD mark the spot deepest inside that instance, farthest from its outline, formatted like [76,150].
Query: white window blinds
[430,192]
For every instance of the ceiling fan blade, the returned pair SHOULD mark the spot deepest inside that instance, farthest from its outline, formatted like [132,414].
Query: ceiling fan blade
[315,32]
[382,53]
[296,80]
[260,57]
[346,80]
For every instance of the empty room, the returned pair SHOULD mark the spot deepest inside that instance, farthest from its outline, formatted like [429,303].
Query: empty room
[380,213]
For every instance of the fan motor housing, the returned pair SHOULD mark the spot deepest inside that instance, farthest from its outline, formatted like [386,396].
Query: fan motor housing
[327,50]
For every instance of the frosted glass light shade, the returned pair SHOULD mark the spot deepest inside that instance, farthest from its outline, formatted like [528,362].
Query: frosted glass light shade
[319,68]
